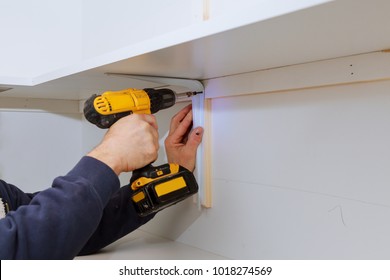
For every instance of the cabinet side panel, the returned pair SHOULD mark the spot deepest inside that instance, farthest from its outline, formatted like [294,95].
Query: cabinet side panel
[299,175]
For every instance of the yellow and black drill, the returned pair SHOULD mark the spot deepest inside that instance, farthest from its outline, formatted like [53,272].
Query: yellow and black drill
[154,187]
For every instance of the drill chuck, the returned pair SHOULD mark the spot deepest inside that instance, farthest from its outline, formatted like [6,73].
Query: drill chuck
[160,99]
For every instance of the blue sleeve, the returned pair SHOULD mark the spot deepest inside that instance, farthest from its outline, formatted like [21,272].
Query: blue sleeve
[57,222]
[119,218]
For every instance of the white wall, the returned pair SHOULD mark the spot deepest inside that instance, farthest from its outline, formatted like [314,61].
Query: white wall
[297,175]
[36,147]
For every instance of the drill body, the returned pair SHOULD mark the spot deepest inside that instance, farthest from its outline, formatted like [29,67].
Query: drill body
[154,187]
[105,109]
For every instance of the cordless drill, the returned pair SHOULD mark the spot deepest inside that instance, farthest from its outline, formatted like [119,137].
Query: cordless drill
[154,187]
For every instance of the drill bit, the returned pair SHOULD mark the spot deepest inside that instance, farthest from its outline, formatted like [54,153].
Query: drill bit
[185,96]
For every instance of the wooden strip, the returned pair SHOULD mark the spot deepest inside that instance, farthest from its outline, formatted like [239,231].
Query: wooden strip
[207,161]
[206,10]
[203,157]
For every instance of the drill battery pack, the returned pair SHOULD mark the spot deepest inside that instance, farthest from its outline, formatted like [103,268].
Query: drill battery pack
[156,188]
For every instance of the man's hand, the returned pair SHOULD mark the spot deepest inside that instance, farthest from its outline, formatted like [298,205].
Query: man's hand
[130,143]
[182,143]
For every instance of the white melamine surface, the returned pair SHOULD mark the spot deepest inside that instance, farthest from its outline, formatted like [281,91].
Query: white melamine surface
[194,58]
[295,175]
[140,245]
[38,37]
[326,31]
[230,42]
[331,141]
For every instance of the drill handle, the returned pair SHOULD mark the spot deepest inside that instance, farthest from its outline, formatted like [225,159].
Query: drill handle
[149,173]
[141,172]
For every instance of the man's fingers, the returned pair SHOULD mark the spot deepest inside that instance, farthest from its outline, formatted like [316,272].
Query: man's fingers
[179,117]
[183,128]
[195,138]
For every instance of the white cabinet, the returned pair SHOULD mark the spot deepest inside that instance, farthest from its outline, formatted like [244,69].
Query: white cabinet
[189,39]
[289,180]
[38,37]
[66,54]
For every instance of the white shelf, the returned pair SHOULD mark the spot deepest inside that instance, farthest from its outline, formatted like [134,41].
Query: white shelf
[266,34]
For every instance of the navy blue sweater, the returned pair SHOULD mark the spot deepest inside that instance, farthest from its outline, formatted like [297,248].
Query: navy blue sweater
[81,213]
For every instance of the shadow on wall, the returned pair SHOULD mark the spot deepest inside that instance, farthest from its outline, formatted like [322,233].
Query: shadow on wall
[175,220]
